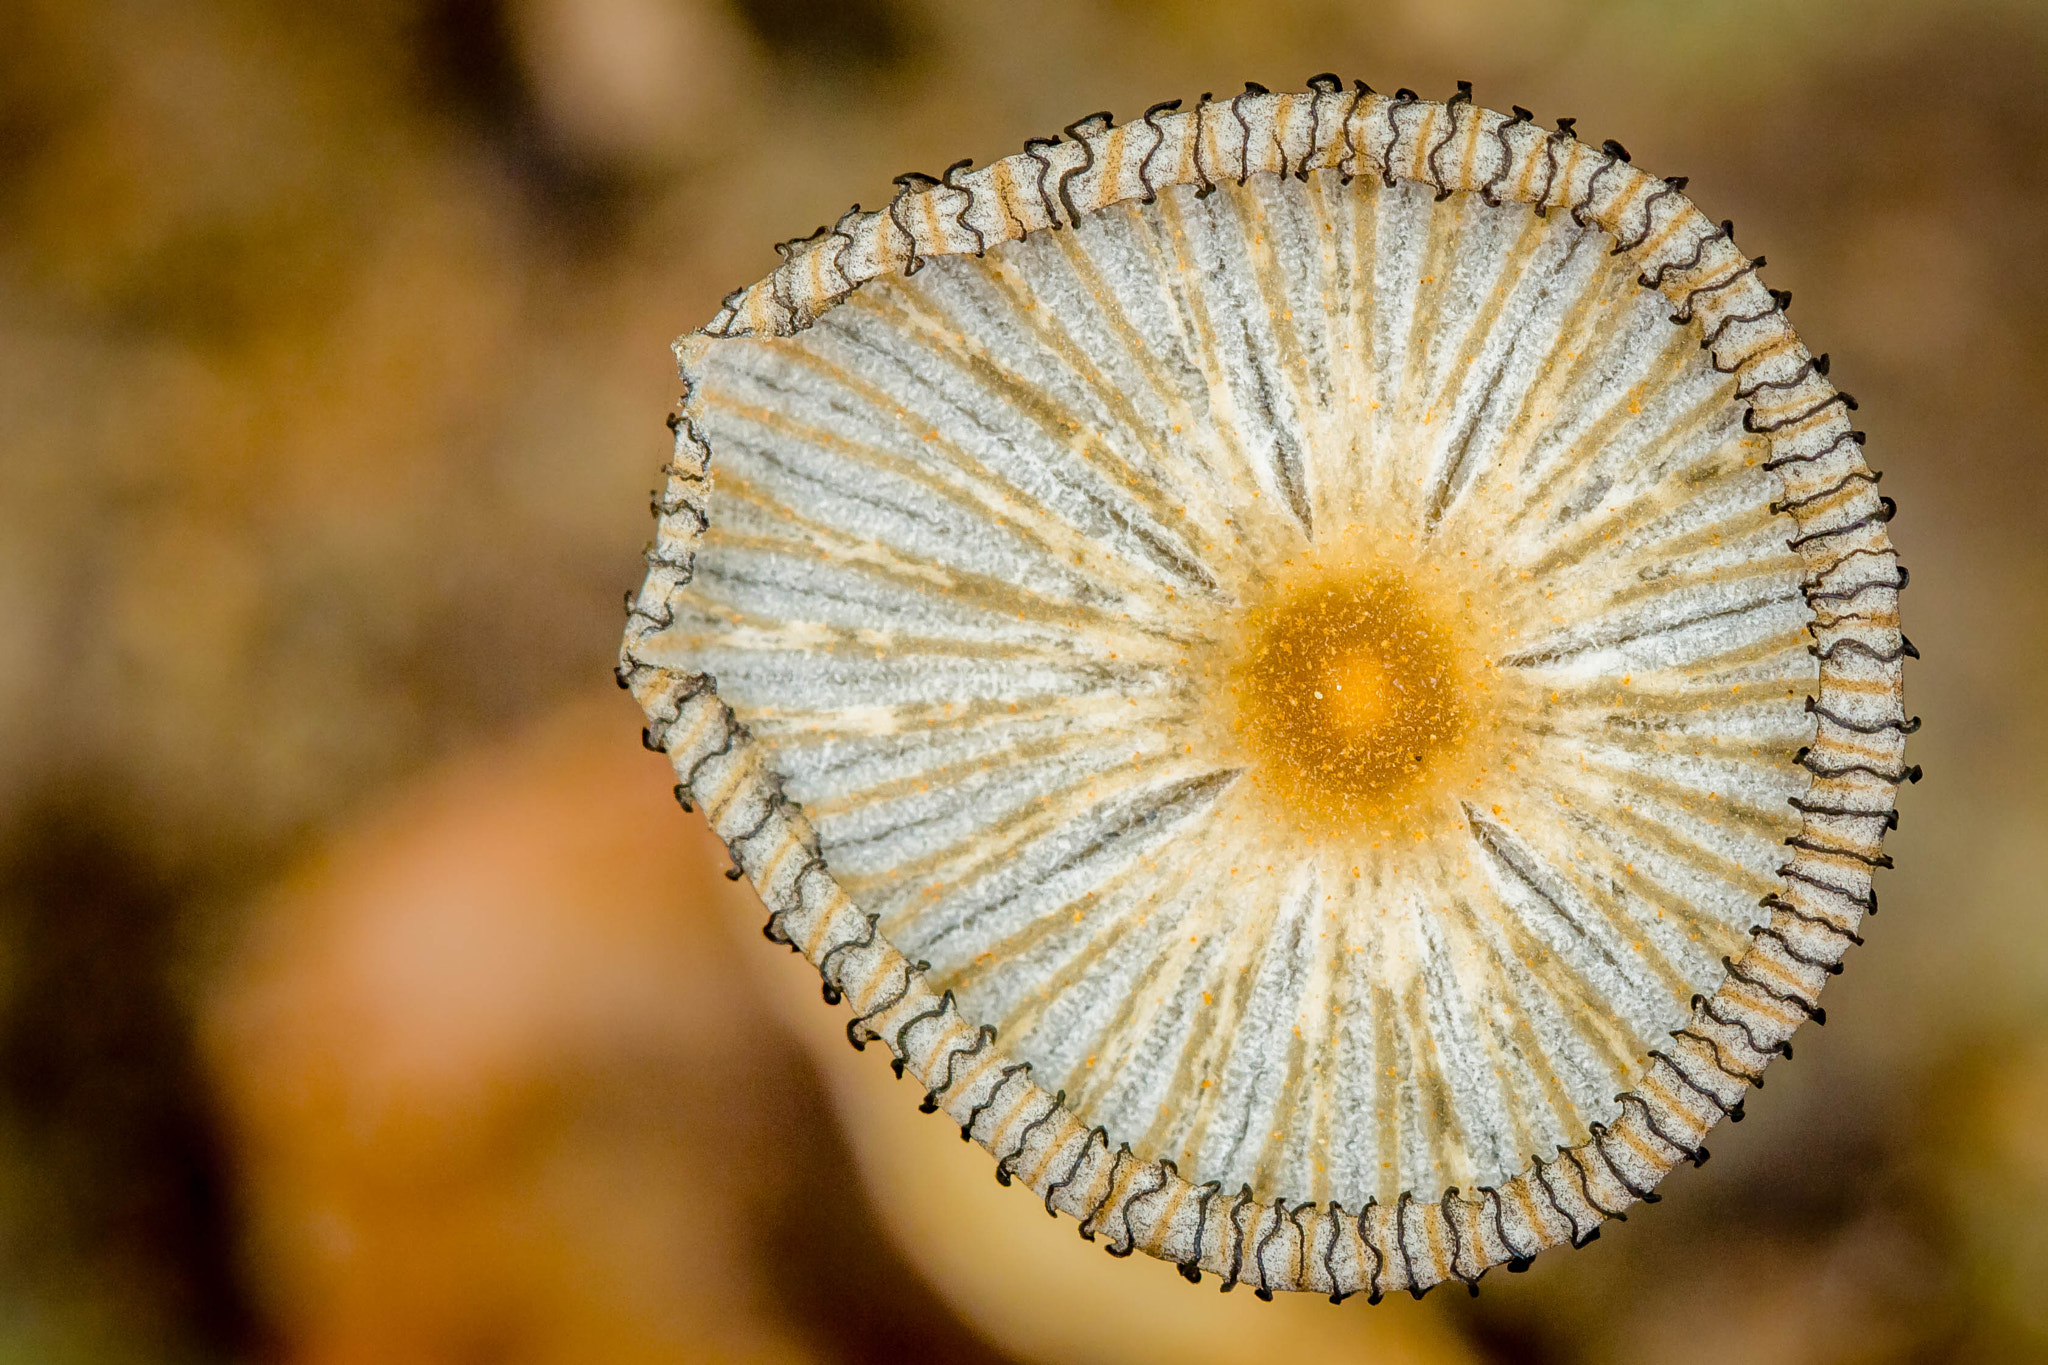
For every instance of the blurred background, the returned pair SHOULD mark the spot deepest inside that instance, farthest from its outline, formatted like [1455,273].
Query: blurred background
[363,996]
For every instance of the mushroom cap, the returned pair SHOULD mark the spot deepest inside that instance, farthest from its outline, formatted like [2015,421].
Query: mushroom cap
[1021,540]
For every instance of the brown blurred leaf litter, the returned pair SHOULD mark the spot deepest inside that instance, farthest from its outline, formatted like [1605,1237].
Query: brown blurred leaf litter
[330,332]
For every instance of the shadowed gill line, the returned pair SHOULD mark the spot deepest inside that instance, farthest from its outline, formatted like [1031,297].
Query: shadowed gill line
[1138,474]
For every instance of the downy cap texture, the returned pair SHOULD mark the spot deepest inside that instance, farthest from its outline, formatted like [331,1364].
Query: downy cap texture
[1322,670]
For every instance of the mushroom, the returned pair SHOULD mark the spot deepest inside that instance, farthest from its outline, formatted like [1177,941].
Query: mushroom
[1322,670]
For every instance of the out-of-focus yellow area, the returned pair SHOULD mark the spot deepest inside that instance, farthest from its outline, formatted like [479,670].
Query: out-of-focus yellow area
[364,996]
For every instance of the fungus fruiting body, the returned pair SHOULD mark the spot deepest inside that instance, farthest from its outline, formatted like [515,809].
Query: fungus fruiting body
[1321,670]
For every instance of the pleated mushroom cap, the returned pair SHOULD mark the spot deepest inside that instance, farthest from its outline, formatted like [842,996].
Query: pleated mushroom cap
[1323,670]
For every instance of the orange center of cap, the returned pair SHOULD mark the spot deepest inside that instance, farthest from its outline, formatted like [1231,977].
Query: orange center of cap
[1349,694]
